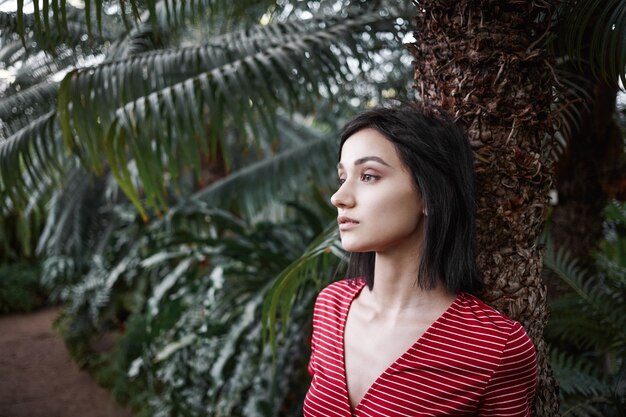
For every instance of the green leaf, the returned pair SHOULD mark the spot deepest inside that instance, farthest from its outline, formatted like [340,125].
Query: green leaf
[282,293]
[284,171]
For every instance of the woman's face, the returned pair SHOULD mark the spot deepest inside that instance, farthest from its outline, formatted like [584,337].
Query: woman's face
[379,208]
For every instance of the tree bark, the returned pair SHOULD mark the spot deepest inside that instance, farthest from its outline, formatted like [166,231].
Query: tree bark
[484,62]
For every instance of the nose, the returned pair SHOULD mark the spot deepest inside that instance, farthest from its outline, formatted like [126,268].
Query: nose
[343,197]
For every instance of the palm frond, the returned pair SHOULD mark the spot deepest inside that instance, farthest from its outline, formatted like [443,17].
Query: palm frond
[169,17]
[28,159]
[13,22]
[12,52]
[39,67]
[242,90]
[55,22]
[18,110]
[573,97]
[587,333]
[583,389]
[52,20]
[581,331]
[76,222]
[287,170]
[280,298]
[576,375]
[175,13]
[593,32]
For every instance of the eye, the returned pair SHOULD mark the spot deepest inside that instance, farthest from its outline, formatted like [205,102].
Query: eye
[340,181]
[369,177]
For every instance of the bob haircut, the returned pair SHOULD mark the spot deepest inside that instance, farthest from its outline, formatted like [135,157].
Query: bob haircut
[438,156]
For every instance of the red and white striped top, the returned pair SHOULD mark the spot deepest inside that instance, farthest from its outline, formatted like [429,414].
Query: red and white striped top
[472,361]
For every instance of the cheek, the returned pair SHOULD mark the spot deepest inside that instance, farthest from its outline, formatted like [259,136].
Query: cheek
[400,215]
[391,217]
[400,221]
[402,206]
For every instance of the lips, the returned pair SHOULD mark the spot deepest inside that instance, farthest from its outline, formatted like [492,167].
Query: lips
[346,223]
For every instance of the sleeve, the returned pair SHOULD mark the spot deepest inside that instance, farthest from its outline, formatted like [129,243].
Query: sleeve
[311,367]
[511,389]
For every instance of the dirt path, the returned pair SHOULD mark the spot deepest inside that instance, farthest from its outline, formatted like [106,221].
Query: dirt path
[39,379]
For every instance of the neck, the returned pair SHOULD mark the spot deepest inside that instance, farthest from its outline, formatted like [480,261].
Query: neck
[396,290]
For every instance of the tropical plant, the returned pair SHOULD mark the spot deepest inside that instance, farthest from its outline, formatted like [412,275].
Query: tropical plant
[591,170]
[587,330]
[233,372]
[237,79]
[34,162]
[495,75]
[191,286]
[252,64]
[20,288]
[183,133]
[33,159]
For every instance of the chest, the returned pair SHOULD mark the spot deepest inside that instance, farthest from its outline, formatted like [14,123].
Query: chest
[367,368]
[370,348]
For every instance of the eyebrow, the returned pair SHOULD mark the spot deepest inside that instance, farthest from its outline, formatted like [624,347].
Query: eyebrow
[365,159]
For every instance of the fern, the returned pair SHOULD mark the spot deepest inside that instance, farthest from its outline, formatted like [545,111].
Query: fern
[600,302]
[577,376]
[587,329]
[215,344]
[201,302]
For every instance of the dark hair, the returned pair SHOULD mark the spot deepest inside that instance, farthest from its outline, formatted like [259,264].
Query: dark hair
[439,158]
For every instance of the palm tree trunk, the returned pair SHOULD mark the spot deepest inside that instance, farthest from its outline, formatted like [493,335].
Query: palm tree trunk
[483,62]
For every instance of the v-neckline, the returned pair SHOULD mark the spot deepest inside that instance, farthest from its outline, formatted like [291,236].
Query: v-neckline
[379,378]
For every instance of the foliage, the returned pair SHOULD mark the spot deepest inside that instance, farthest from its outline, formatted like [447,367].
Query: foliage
[281,296]
[593,33]
[112,368]
[20,289]
[19,233]
[187,114]
[587,43]
[587,330]
[194,340]
[220,45]
[52,24]
[237,80]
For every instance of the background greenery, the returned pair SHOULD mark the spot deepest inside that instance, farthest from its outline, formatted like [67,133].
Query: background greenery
[172,251]
[587,330]
[167,180]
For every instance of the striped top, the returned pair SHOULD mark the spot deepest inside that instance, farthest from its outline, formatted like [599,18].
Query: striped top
[472,361]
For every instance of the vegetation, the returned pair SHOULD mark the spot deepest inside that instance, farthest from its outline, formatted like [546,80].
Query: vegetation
[587,331]
[166,173]
[187,305]
[171,202]
[20,288]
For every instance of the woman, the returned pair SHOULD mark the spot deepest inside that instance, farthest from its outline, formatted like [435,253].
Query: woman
[406,338]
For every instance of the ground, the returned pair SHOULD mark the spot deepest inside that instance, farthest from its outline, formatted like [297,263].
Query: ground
[39,379]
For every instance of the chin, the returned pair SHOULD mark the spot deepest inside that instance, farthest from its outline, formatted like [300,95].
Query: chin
[352,246]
